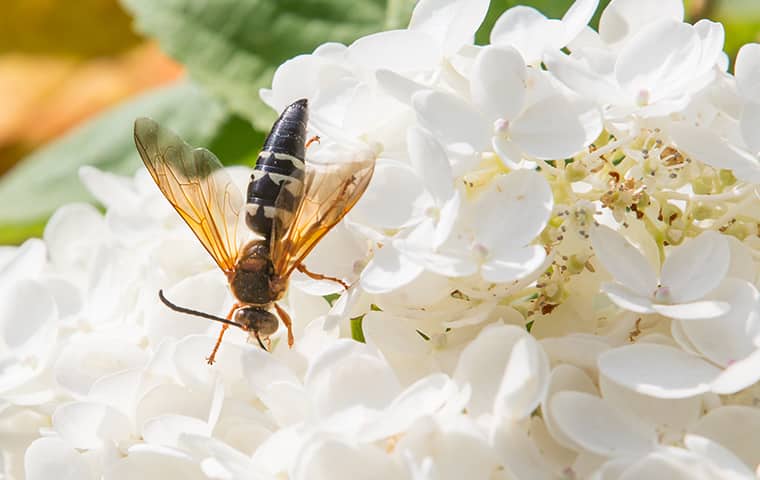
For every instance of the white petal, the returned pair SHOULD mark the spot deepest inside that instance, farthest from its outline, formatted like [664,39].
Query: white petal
[297,78]
[167,429]
[348,374]
[398,86]
[576,18]
[118,390]
[205,292]
[749,123]
[526,29]
[454,122]
[395,197]
[693,310]
[332,459]
[389,270]
[457,449]
[747,72]
[191,351]
[397,50]
[498,84]
[525,380]
[600,428]
[168,398]
[516,263]
[728,338]
[671,48]
[28,315]
[705,145]
[262,369]
[734,427]
[221,460]
[71,233]
[571,124]
[626,17]
[564,378]
[670,416]
[448,215]
[451,22]
[739,375]
[51,457]
[429,160]
[484,363]
[88,425]
[719,455]
[513,211]
[579,350]
[88,358]
[336,255]
[696,268]
[658,370]
[623,261]
[668,463]
[424,397]
[627,299]
[393,334]
[742,266]
[521,456]
[153,462]
[446,262]
[579,77]
[113,191]
[27,260]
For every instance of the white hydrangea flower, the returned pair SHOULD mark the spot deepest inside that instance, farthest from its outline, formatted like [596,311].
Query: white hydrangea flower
[554,275]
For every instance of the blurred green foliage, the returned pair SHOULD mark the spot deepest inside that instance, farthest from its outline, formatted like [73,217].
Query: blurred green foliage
[231,49]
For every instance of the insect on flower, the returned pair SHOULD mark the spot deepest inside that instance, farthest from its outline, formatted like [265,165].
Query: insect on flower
[290,205]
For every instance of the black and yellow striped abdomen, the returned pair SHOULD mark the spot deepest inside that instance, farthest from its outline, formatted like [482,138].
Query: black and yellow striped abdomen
[279,170]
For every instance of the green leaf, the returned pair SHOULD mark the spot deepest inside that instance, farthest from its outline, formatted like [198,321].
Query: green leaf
[356,329]
[233,47]
[48,178]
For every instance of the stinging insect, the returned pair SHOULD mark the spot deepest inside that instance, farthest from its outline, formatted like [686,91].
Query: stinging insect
[289,206]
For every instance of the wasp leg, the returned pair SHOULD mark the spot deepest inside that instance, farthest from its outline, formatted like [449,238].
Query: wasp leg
[318,276]
[210,358]
[313,139]
[288,323]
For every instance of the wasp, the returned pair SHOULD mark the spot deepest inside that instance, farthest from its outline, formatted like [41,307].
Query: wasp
[259,239]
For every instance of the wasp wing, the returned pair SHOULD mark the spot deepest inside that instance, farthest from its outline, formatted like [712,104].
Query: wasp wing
[329,191]
[197,186]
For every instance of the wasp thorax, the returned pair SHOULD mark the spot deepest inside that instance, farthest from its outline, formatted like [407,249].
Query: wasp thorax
[249,281]
[257,321]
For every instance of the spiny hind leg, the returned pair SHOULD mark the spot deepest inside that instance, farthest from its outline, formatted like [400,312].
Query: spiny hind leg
[313,139]
[210,358]
[287,321]
[318,276]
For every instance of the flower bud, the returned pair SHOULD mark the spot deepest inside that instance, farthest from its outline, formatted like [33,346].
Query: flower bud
[576,172]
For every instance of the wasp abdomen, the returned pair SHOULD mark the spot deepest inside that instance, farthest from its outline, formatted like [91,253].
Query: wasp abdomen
[280,165]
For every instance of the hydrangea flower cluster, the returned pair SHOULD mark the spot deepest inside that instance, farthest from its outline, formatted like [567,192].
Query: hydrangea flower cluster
[554,276]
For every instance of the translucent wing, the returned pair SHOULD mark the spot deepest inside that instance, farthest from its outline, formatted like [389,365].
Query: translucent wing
[329,191]
[197,186]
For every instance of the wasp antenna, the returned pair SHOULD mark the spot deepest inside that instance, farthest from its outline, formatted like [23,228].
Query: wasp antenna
[260,342]
[189,311]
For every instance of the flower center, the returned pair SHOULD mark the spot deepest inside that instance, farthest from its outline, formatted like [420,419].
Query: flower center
[438,340]
[662,294]
[433,212]
[501,128]
[480,251]
[642,99]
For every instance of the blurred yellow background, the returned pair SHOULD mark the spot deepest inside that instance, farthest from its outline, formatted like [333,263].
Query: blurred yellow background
[63,61]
